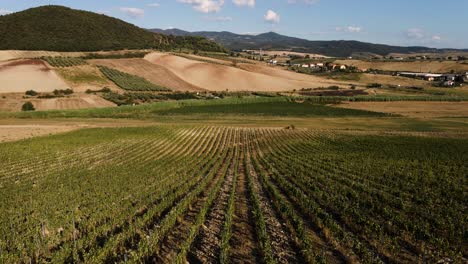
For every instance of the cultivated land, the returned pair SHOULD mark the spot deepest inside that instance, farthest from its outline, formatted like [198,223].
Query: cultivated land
[413,66]
[255,177]
[238,180]
[23,75]
[217,77]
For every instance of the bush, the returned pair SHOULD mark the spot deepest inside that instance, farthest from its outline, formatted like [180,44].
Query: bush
[374,85]
[28,106]
[63,92]
[31,93]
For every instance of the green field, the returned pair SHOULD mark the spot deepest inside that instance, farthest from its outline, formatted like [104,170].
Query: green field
[248,180]
[143,194]
[63,62]
[128,81]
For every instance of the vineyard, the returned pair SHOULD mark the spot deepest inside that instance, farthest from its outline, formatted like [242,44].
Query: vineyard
[63,62]
[130,82]
[232,195]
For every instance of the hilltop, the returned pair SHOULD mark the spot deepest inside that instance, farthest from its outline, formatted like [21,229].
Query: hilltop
[58,28]
[275,41]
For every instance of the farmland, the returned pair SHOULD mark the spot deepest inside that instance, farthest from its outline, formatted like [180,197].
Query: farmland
[171,193]
[63,62]
[128,81]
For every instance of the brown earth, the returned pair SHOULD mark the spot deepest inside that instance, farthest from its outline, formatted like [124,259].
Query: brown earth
[13,102]
[414,109]
[17,129]
[248,77]
[152,72]
[20,76]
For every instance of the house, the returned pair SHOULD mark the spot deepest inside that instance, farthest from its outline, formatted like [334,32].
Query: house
[343,67]
[305,66]
[319,64]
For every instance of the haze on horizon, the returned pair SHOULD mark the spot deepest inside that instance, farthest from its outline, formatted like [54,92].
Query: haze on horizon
[395,22]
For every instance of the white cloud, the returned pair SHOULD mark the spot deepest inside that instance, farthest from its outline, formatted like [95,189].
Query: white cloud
[205,6]
[249,3]
[219,18]
[133,12]
[436,38]
[4,12]
[415,33]
[154,5]
[272,17]
[349,29]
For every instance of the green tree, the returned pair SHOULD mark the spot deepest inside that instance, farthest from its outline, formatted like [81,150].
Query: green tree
[28,106]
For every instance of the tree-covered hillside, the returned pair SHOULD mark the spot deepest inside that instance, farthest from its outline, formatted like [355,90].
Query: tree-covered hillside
[60,28]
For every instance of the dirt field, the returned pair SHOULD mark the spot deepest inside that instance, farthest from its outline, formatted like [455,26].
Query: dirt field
[13,102]
[414,109]
[248,77]
[23,75]
[154,73]
[18,132]
[419,66]
[17,129]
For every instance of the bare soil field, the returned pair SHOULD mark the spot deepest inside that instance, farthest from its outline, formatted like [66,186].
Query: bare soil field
[152,72]
[13,102]
[414,109]
[418,66]
[18,129]
[220,78]
[18,132]
[23,75]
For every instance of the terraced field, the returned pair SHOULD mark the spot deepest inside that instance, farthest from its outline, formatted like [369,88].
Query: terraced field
[240,195]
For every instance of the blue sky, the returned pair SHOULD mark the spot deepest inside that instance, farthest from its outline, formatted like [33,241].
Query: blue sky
[432,23]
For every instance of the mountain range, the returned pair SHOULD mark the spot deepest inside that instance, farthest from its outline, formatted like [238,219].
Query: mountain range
[275,41]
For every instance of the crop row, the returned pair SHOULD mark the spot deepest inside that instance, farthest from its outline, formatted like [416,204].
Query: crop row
[123,195]
[130,82]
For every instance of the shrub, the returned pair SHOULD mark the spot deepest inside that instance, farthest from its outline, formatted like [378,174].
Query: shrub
[31,93]
[374,85]
[28,106]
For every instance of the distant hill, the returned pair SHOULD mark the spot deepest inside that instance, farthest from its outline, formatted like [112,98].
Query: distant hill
[274,41]
[58,28]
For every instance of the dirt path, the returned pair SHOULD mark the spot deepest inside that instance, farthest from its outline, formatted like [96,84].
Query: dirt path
[283,246]
[244,245]
[170,246]
[207,245]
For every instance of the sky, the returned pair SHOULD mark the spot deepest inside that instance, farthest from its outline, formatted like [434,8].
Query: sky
[431,23]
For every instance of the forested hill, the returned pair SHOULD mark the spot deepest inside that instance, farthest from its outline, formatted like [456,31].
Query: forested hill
[58,28]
